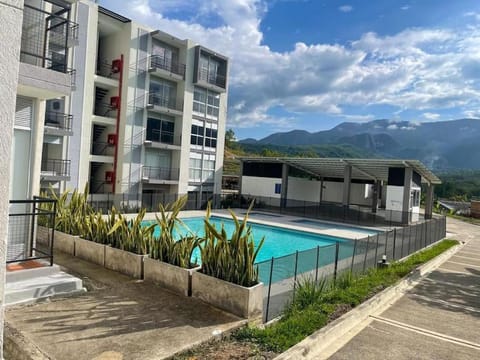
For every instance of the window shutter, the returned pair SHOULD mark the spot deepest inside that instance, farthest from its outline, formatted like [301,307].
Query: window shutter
[24,112]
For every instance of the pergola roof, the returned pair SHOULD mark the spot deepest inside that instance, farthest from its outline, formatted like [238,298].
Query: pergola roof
[364,169]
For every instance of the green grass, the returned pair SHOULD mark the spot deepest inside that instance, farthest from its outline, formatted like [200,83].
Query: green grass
[317,304]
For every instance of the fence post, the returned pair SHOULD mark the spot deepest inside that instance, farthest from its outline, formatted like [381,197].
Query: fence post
[376,247]
[366,252]
[337,247]
[409,238]
[269,289]
[386,241]
[353,255]
[394,242]
[316,271]
[295,276]
[403,238]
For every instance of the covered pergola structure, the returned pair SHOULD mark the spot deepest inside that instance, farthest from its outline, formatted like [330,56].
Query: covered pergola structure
[400,176]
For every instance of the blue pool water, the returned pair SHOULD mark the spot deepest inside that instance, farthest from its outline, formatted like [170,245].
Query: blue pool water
[278,241]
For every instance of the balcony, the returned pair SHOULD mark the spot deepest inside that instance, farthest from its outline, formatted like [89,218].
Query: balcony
[57,123]
[102,149]
[105,110]
[169,69]
[158,139]
[163,104]
[55,170]
[159,176]
[212,78]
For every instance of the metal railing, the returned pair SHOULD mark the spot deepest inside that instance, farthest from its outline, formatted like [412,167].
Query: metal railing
[163,101]
[159,173]
[46,38]
[56,167]
[102,148]
[165,137]
[58,120]
[105,69]
[23,220]
[105,110]
[280,275]
[175,67]
[212,77]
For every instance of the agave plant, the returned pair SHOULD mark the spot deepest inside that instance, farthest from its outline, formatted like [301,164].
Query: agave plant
[167,247]
[130,235]
[230,258]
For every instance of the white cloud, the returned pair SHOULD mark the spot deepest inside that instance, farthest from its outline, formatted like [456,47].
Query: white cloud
[431,116]
[345,8]
[405,7]
[415,69]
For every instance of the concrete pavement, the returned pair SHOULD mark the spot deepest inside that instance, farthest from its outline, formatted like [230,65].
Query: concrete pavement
[118,318]
[437,319]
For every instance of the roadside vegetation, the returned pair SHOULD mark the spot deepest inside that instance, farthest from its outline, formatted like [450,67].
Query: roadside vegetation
[314,306]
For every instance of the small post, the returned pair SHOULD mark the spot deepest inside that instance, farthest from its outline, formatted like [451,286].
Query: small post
[269,289]
[409,238]
[295,275]
[316,271]
[337,248]
[353,255]
[366,252]
[394,242]
[386,242]
[403,238]
[376,247]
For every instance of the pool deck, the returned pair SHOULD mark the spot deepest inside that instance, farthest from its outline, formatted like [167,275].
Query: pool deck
[118,318]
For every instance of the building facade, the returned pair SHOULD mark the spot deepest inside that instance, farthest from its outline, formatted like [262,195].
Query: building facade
[110,103]
[152,108]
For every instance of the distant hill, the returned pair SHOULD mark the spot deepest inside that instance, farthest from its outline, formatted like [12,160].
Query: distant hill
[441,145]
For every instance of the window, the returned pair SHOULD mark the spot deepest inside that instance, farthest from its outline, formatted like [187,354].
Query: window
[415,198]
[164,56]
[161,130]
[195,170]
[163,93]
[206,103]
[204,135]
[278,188]
[202,170]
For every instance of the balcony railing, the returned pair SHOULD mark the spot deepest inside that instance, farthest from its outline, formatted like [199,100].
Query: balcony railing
[56,167]
[175,67]
[46,38]
[105,69]
[104,109]
[158,173]
[58,120]
[102,148]
[163,101]
[164,137]
[212,77]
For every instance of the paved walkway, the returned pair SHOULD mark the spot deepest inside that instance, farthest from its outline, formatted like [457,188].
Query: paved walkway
[118,318]
[437,319]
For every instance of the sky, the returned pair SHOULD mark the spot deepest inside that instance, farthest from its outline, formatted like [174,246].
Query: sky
[312,64]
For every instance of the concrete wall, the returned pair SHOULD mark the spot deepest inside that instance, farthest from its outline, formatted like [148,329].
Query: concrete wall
[260,186]
[11,16]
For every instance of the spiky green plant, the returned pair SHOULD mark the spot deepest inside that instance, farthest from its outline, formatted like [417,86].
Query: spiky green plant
[130,235]
[230,258]
[98,226]
[167,247]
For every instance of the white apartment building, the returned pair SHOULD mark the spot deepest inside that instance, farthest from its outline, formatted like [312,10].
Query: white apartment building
[149,110]
[125,108]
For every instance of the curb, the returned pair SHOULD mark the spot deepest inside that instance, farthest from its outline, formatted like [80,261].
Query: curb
[328,340]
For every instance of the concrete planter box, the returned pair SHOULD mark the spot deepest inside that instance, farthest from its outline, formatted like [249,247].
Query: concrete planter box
[62,242]
[241,301]
[125,262]
[174,278]
[90,251]
[42,235]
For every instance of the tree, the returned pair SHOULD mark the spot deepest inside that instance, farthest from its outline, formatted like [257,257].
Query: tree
[230,137]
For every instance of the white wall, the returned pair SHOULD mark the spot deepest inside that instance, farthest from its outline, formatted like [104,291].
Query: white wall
[260,186]
[309,190]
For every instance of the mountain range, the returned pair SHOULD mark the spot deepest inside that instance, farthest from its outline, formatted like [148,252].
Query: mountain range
[441,145]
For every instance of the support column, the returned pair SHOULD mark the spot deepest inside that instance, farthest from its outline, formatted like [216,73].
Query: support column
[429,202]
[376,192]
[284,192]
[11,17]
[407,186]
[347,180]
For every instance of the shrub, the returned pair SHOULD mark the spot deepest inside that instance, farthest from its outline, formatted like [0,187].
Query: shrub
[230,259]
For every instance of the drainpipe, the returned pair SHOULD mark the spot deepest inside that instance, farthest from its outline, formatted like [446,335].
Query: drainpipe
[117,128]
